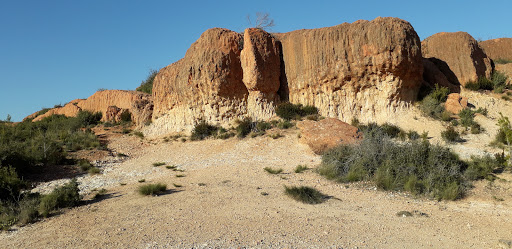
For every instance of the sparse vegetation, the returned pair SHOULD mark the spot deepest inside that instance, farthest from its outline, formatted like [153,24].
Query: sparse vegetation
[152,189]
[141,180]
[147,85]
[177,185]
[502,61]
[138,134]
[289,111]
[157,164]
[203,130]
[498,83]
[305,194]
[273,171]
[431,105]
[180,175]
[450,135]
[61,197]
[94,170]
[301,168]
[415,166]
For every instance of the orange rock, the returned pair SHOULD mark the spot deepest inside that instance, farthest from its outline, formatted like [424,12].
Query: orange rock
[500,48]
[462,54]
[261,64]
[327,133]
[505,69]
[455,103]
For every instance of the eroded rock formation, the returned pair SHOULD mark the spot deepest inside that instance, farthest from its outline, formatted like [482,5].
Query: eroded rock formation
[505,69]
[455,103]
[366,69]
[437,72]
[496,49]
[137,103]
[461,53]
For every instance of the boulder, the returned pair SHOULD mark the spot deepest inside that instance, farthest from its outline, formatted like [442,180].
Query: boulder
[261,64]
[497,49]
[205,85]
[365,70]
[461,53]
[327,133]
[437,72]
[455,103]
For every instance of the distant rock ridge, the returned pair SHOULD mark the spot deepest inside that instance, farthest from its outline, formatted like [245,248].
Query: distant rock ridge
[363,70]
[137,103]
[496,49]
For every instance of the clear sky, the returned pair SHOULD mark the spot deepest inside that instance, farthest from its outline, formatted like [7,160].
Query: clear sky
[52,51]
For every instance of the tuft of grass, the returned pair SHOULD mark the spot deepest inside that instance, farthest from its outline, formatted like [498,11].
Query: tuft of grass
[158,164]
[170,166]
[152,189]
[201,184]
[202,130]
[138,134]
[502,61]
[276,135]
[305,194]
[288,111]
[142,180]
[84,164]
[94,170]
[301,168]
[99,193]
[450,135]
[273,171]
[177,185]
[180,175]
[285,124]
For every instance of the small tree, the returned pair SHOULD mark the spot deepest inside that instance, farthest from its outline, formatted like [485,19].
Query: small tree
[506,128]
[263,21]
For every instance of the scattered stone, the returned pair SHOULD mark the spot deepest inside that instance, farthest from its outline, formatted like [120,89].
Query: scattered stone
[327,133]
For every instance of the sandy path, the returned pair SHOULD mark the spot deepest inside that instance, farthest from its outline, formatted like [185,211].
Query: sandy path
[221,205]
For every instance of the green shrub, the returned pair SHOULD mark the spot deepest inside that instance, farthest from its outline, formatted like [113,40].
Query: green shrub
[262,126]
[450,135]
[244,127]
[431,105]
[467,117]
[413,135]
[285,124]
[475,128]
[61,197]
[305,194]
[157,164]
[288,111]
[86,118]
[502,61]
[28,210]
[152,189]
[415,166]
[497,83]
[10,184]
[84,164]
[482,167]
[273,171]
[301,168]
[138,134]
[147,85]
[203,130]
[126,116]
[94,170]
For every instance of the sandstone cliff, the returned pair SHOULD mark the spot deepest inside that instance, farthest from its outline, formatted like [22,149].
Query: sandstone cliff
[137,103]
[500,48]
[367,70]
[461,53]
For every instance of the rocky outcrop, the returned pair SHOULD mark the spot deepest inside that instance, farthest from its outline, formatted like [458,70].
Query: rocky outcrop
[327,133]
[367,69]
[137,103]
[461,53]
[505,69]
[455,103]
[261,64]
[496,49]
[437,72]
[206,84]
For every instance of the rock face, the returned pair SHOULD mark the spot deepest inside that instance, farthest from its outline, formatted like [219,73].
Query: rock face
[206,84]
[105,102]
[437,72]
[496,49]
[366,69]
[505,69]
[461,53]
[455,103]
[261,64]
[327,133]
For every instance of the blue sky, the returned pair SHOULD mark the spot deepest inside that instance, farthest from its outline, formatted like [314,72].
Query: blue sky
[52,52]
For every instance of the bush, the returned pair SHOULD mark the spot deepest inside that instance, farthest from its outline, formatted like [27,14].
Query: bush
[301,168]
[413,135]
[288,111]
[10,184]
[305,194]
[497,83]
[431,105]
[482,167]
[84,164]
[285,124]
[147,85]
[126,116]
[273,171]
[203,130]
[152,189]
[61,197]
[415,166]
[86,118]
[244,127]
[450,135]
[467,117]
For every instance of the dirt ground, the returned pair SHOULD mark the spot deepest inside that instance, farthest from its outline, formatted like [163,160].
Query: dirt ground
[227,200]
